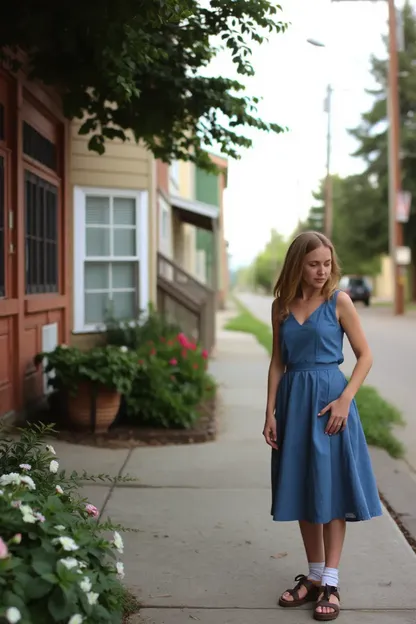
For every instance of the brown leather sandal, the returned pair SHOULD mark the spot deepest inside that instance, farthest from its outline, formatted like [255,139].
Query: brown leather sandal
[327,592]
[311,595]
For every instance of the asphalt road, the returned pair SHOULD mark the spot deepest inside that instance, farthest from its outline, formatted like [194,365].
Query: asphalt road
[393,342]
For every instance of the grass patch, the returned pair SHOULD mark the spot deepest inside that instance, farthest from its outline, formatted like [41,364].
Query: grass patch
[377,415]
[130,605]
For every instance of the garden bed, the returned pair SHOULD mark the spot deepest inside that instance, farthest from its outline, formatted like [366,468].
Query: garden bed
[128,436]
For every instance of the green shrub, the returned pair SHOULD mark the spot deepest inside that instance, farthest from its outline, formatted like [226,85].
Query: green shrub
[135,334]
[56,562]
[109,366]
[171,384]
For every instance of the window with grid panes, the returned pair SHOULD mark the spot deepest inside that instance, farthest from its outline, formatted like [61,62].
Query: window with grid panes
[111,268]
[41,235]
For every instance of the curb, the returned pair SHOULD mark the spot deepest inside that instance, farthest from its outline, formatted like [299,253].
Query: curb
[397,486]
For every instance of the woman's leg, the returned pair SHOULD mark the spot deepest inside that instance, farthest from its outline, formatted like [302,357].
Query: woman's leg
[334,535]
[312,535]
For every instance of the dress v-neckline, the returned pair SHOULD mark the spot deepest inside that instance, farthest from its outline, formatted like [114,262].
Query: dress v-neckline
[310,315]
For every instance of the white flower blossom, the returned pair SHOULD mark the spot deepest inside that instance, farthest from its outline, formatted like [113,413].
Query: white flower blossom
[40,517]
[50,449]
[118,542]
[92,598]
[28,514]
[25,466]
[54,466]
[69,562]
[120,570]
[67,543]
[13,478]
[59,527]
[124,349]
[86,584]
[28,481]
[13,615]
[59,490]
[1,492]
[76,619]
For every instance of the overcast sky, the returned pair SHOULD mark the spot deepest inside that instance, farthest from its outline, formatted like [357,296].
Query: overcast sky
[271,186]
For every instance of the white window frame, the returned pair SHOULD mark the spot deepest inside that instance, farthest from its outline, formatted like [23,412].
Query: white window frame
[80,257]
[174,173]
[165,238]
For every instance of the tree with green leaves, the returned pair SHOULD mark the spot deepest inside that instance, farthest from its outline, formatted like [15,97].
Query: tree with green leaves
[268,263]
[372,133]
[141,66]
[360,222]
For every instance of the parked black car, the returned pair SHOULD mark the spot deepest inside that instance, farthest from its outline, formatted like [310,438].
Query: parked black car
[357,288]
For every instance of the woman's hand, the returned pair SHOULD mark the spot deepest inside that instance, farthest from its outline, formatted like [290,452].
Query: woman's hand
[269,431]
[339,414]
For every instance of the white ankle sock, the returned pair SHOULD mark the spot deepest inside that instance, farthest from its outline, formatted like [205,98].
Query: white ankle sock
[315,571]
[330,577]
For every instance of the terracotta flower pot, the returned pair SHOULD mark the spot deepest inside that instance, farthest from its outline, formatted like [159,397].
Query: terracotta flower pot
[79,408]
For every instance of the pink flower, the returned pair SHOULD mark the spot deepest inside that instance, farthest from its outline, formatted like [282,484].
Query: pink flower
[92,510]
[162,339]
[40,517]
[153,352]
[192,346]
[16,539]
[173,361]
[4,551]
[184,353]
[205,354]
[170,343]
[25,466]
[195,366]
[183,340]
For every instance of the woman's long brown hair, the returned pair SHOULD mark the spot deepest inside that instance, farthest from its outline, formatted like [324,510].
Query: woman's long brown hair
[288,285]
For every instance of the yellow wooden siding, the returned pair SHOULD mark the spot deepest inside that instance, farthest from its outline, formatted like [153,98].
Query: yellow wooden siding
[123,165]
[186,180]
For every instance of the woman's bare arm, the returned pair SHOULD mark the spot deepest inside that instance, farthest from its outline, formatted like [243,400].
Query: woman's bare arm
[351,323]
[276,368]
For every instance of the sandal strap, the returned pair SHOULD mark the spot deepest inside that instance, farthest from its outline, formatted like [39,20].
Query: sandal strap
[301,580]
[328,591]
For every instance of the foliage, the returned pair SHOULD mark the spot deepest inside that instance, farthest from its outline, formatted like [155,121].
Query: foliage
[142,66]
[172,383]
[360,223]
[56,563]
[109,366]
[377,415]
[268,263]
[135,334]
[372,133]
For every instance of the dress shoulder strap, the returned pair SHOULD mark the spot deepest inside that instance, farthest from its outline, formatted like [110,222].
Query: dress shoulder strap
[333,301]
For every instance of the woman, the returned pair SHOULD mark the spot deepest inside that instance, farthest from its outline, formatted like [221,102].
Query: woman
[321,469]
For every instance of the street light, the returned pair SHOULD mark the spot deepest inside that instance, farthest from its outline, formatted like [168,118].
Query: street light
[328,209]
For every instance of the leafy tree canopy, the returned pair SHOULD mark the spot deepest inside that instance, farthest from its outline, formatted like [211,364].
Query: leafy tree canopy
[136,65]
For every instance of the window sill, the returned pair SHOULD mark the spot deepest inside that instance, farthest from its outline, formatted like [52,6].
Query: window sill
[9,307]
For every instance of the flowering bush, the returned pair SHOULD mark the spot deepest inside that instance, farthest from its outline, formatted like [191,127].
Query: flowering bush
[109,366]
[56,563]
[171,384]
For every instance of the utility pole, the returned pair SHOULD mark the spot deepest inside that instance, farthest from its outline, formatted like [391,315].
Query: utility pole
[395,177]
[328,214]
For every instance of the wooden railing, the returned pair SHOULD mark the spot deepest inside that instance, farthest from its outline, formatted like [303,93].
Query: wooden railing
[185,301]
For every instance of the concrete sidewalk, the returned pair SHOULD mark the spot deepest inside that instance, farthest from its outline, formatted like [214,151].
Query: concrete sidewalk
[207,549]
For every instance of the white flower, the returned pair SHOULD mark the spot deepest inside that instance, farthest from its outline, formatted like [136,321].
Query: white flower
[59,490]
[25,466]
[13,615]
[54,466]
[27,513]
[59,527]
[118,542]
[123,349]
[28,481]
[86,584]
[11,478]
[120,570]
[50,449]
[92,598]
[67,543]
[1,492]
[40,517]
[76,619]
[69,562]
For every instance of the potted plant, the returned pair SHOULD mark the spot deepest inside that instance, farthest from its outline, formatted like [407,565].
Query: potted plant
[92,382]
